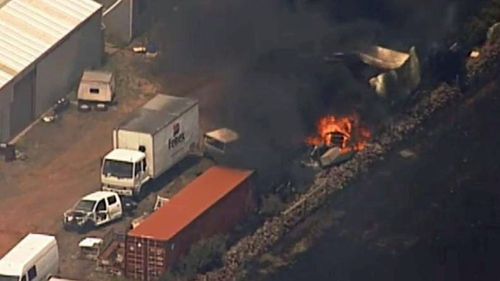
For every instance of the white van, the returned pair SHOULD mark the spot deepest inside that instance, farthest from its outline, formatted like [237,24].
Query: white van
[35,258]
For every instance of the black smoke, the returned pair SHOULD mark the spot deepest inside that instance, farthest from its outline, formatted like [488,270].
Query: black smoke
[267,56]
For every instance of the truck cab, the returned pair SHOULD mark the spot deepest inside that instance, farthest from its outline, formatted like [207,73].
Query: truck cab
[124,171]
[93,210]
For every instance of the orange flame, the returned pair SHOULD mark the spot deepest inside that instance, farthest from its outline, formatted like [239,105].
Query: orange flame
[344,132]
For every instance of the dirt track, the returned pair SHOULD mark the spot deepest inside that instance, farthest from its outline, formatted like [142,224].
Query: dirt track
[63,162]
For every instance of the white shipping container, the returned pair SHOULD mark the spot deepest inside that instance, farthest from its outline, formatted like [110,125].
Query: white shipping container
[166,129]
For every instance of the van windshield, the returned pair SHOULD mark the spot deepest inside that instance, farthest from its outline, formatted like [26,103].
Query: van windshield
[119,169]
[85,206]
[8,278]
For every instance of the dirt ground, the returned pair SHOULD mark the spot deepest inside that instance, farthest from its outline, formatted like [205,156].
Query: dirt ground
[62,164]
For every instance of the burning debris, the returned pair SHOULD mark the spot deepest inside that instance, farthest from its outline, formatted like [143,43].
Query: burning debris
[401,71]
[337,140]
[393,74]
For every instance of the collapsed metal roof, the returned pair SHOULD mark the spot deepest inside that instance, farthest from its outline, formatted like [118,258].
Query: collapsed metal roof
[383,58]
[29,28]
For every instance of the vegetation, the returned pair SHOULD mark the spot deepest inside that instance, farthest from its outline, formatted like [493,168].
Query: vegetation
[271,205]
[203,256]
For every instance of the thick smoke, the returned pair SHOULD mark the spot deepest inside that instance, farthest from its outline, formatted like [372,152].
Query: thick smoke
[268,59]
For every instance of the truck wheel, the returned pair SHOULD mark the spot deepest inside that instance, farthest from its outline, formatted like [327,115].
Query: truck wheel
[101,107]
[83,107]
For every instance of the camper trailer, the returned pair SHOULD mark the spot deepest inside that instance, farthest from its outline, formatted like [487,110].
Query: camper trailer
[96,88]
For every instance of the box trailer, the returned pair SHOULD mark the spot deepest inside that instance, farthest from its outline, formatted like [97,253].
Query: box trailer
[96,87]
[211,204]
[155,138]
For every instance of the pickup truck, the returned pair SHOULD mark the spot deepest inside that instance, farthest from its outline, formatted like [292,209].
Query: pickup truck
[96,209]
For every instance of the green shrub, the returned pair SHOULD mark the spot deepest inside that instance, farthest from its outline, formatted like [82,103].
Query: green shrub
[203,256]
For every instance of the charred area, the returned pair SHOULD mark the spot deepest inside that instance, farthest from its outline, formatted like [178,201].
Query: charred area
[278,81]
[275,66]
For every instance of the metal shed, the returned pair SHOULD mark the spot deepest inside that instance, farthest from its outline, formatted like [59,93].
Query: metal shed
[44,47]
[126,19]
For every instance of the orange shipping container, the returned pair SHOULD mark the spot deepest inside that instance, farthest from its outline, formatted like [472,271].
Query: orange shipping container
[213,203]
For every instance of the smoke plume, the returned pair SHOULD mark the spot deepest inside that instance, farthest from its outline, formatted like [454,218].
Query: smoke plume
[267,57]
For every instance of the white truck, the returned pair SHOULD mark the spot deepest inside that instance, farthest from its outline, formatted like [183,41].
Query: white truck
[156,137]
[96,209]
[34,258]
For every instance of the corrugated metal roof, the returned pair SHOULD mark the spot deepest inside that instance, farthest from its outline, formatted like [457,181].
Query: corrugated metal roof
[191,202]
[29,28]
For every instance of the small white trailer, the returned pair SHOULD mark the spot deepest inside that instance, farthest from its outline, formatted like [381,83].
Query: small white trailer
[96,87]
[155,138]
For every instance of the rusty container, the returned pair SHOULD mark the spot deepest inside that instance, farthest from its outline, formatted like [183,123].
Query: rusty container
[212,204]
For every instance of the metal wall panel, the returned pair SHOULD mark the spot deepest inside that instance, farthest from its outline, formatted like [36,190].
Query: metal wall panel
[28,29]
[5,100]
[127,19]
[23,101]
[118,22]
[60,71]
[4,125]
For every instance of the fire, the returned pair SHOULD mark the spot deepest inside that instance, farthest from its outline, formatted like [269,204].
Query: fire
[343,132]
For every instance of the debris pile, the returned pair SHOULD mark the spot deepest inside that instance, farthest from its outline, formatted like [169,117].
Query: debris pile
[481,68]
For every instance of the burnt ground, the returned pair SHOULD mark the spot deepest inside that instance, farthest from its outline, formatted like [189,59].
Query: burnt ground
[434,216]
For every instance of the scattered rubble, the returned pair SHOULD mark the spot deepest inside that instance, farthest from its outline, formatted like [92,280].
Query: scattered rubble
[150,50]
[474,54]
[139,50]
[483,67]
[49,117]
[406,153]
[60,106]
